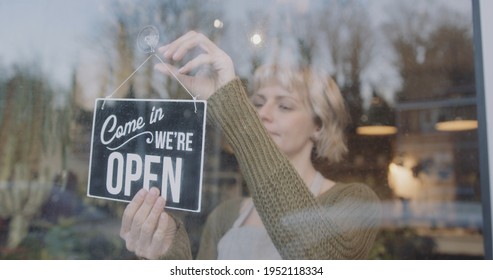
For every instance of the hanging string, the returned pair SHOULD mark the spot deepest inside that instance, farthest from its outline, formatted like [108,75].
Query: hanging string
[140,66]
[173,74]
[111,95]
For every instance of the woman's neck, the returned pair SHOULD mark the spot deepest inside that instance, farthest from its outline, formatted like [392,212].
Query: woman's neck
[305,168]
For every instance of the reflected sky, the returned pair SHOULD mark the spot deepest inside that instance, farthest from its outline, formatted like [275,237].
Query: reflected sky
[58,34]
[49,32]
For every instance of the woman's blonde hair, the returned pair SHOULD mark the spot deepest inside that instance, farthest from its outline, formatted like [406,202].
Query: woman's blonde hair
[323,97]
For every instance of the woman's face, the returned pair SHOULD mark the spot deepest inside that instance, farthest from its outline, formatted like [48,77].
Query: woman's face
[287,119]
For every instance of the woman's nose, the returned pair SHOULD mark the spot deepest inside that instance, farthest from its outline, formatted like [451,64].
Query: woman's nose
[265,112]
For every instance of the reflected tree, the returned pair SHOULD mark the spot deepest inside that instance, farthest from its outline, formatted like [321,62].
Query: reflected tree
[349,34]
[433,54]
[31,141]
[172,19]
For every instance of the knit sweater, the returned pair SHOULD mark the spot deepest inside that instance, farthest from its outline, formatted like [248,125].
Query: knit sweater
[342,223]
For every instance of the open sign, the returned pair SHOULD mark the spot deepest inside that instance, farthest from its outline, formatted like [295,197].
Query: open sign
[142,143]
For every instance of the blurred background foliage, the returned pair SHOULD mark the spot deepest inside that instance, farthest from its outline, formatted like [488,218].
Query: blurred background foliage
[45,129]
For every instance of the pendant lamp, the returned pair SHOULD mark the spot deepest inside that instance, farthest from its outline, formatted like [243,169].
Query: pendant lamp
[379,120]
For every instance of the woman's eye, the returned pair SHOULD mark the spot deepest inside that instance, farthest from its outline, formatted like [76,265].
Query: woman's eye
[257,104]
[285,107]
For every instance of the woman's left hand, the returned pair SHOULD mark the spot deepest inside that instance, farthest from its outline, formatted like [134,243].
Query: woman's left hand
[148,231]
[213,67]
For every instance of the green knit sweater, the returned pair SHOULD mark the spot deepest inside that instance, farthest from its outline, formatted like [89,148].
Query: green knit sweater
[342,223]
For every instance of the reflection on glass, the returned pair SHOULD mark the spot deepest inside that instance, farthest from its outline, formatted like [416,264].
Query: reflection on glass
[457,125]
[417,56]
[379,120]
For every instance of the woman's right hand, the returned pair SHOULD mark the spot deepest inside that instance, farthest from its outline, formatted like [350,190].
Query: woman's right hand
[213,67]
[148,231]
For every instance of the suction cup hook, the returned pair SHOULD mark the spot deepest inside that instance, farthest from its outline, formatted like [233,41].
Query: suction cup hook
[148,39]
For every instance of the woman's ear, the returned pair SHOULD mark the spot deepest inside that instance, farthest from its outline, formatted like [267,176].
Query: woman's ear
[316,135]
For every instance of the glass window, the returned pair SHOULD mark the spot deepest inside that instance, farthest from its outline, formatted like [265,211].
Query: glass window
[405,70]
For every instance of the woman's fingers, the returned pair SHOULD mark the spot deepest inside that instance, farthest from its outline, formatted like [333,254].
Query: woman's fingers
[146,228]
[177,49]
[200,60]
[167,69]
[140,218]
[164,234]
[130,211]
[150,224]
[183,45]
[144,243]
[187,81]
[205,72]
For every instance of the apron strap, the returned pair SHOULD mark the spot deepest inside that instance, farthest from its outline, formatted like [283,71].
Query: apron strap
[244,214]
[317,184]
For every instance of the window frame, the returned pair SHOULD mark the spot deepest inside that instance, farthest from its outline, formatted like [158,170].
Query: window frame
[483,44]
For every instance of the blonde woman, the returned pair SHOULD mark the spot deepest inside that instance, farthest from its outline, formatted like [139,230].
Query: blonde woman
[293,212]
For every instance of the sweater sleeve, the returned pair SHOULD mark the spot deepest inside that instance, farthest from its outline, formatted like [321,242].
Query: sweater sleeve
[180,247]
[299,226]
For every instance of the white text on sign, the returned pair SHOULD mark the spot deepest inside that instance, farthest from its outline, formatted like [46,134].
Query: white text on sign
[167,139]
[131,167]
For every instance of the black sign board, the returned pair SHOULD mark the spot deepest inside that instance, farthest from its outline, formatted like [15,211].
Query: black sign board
[145,143]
